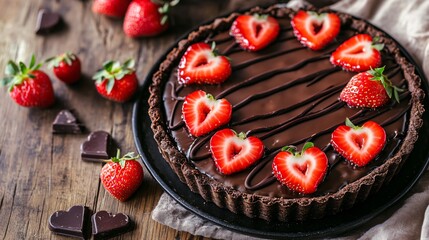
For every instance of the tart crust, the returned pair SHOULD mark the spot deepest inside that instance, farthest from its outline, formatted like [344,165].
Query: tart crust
[277,208]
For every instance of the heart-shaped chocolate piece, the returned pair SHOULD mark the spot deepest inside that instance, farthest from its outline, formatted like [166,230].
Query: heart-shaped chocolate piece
[66,122]
[98,147]
[69,223]
[47,21]
[106,225]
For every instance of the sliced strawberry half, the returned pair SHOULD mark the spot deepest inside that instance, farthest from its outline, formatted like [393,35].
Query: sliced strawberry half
[369,89]
[359,145]
[202,113]
[201,64]
[301,171]
[254,32]
[315,30]
[234,152]
[357,54]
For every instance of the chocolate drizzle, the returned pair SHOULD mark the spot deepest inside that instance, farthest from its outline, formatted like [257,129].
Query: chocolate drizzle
[282,95]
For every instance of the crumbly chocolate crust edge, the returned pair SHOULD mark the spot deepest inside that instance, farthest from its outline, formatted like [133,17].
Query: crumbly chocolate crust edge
[276,208]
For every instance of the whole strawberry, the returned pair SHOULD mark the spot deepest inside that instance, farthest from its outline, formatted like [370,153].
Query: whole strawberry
[66,67]
[115,81]
[146,18]
[122,176]
[370,89]
[28,86]
[111,8]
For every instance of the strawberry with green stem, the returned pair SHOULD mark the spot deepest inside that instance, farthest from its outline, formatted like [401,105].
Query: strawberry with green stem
[122,176]
[28,86]
[66,67]
[115,81]
[146,18]
[370,89]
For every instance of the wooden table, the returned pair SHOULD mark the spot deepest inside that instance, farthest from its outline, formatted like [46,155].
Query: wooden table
[41,173]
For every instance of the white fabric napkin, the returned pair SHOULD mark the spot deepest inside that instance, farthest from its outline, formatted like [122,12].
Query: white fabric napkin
[407,22]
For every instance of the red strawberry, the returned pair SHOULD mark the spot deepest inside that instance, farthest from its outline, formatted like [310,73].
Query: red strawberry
[202,113]
[201,64]
[145,18]
[369,89]
[300,171]
[28,86]
[254,32]
[111,8]
[315,30]
[358,54]
[66,67]
[234,152]
[122,176]
[357,144]
[116,82]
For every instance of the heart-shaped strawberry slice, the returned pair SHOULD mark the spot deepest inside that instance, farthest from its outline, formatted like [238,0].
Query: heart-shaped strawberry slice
[359,145]
[201,64]
[300,171]
[315,30]
[202,113]
[254,32]
[234,152]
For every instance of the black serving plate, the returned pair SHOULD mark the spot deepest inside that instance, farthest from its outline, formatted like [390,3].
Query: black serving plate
[410,173]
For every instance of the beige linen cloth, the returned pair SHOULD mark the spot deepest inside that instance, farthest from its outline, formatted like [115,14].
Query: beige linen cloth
[408,22]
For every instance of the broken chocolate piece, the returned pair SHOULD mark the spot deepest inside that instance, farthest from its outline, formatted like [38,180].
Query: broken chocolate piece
[107,225]
[98,147]
[69,223]
[66,122]
[47,21]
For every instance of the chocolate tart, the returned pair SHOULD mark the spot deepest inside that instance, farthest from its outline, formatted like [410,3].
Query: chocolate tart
[285,94]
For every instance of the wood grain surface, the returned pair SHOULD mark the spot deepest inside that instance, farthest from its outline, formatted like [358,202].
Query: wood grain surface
[41,173]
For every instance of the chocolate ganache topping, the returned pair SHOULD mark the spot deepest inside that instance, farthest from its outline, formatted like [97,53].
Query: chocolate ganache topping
[286,94]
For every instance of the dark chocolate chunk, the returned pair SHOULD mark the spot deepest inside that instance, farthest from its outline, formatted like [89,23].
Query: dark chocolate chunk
[47,21]
[98,147]
[69,223]
[66,122]
[107,225]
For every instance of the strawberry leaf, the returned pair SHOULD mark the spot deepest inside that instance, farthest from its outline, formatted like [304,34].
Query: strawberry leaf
[164,19]
[129,64]
[242,135]
[11,69]
[122,160]
[108,65]
[110,85]
[290,148]
[306,146]
[32,61]
[350,124]
[22,67]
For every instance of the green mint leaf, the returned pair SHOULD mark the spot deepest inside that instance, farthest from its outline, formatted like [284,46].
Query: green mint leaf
[174,3]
